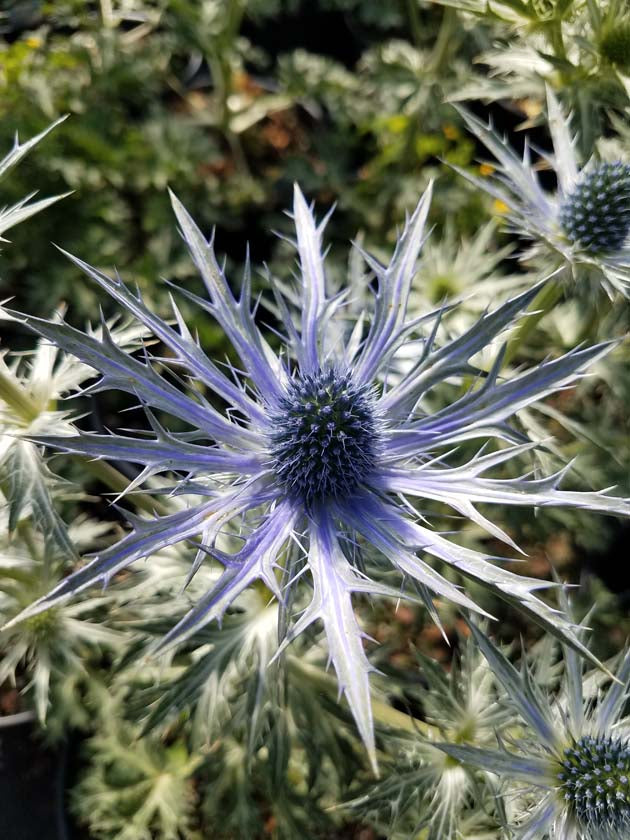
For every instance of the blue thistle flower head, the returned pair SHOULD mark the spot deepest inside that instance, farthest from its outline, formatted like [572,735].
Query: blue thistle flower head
[571,765]
[594,777]
[320,451]
[596,214]
[584,226]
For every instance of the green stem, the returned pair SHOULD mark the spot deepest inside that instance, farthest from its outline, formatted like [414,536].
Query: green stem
[414,22]
[444,42]
[107,13]
[26,535]
[382,712]
[219,59]
[544,302]
[554,31]
[588,331]
[17,398]
[117,482]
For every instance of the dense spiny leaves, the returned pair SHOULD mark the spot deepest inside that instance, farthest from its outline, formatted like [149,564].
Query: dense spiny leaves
[325,436]
[596,214]
[595,780]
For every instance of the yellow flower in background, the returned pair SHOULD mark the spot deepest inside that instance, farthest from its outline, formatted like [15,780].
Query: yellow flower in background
[450,131]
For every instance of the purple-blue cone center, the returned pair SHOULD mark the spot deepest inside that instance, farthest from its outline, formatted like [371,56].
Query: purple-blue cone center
[324,436]
[596,214]
[594,776]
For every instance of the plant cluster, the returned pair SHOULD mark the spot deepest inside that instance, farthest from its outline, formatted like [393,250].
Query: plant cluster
[279,595]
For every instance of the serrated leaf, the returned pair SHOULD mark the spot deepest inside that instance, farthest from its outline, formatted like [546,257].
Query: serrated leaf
[28,481]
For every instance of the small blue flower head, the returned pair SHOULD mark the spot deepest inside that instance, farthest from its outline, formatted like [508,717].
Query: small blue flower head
[596,213]
[571,767]
[320,452]
[325,436]
[595,781]
[584,226]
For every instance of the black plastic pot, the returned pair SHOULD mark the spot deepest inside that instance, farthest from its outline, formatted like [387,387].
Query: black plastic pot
[32,783]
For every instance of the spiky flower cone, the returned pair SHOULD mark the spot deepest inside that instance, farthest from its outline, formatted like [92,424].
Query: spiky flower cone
[596,214]
[594,778]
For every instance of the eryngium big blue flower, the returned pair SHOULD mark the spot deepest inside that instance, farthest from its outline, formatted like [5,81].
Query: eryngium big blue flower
[596,213]
[319,454]
[571,763]
[594,779]
[584,225]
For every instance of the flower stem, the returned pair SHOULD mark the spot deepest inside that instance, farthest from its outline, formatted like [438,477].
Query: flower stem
[556,38]
[117,482]
[414,22]
[445,42]
[383,713]
[17,398]
[544,302]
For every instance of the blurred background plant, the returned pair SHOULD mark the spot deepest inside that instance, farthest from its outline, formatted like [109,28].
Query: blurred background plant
[229,102]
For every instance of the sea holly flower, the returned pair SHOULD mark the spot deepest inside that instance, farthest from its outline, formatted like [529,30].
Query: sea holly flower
[573,758]
[585,224]
[318,455]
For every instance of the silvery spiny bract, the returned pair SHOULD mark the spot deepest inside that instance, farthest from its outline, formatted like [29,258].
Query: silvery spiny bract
[11,216]
[31,386]
[51,648]
[574,755]
[453,265]
[318,455]
[586,223]
[423,792]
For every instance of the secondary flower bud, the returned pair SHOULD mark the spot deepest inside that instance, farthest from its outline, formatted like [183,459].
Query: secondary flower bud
[596,214]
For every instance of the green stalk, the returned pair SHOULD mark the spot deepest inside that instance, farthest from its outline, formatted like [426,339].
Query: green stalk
[117,482]
[544,302]
[445,42]
[414,22]
[383,713]
[26,535]
[17,398]
[107,14]
[554,32]
[221,67]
